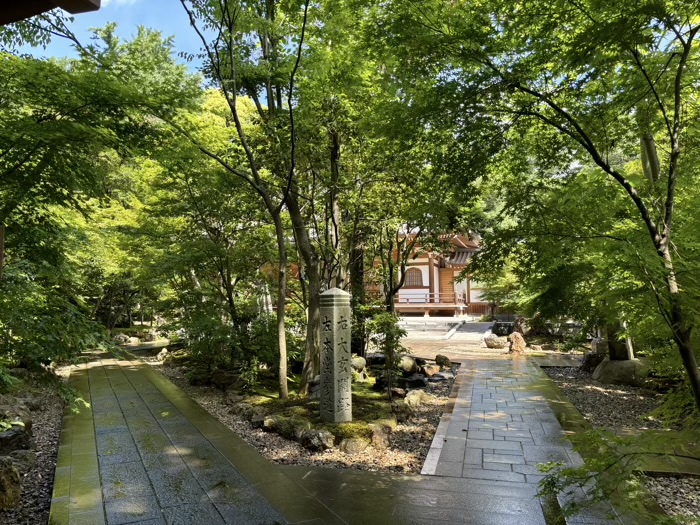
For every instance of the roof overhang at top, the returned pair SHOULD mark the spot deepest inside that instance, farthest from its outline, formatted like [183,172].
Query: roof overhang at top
[27,8]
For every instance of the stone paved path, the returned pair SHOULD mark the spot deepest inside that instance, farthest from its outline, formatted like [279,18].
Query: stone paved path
[146,453]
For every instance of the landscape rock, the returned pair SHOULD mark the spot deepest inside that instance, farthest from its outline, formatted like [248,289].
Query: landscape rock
[292,428]
[414,381]
[417,397]
[353,445]
[375,360]
[591,361]
[402,411]
[430,370]
[14,439]
[536,348]
[517,343]
[23,459]
[177,358]
[314,439]
[163,354]
[442,376]
[359,364]
[120,339]
[380,435]
[396,392]
[133,341]
[257,418]
[443,361]
[420,361]
[632,372]
[493,341]
[408,365]
[359,377]
[10,489]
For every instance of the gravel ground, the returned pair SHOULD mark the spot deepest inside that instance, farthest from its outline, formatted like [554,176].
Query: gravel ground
[601,406]
[678,496]
[408,445]
[37,482]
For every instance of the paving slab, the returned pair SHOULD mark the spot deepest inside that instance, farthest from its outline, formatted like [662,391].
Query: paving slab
[144,452]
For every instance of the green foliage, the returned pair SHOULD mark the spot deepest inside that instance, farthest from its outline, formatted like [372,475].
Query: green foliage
[6,424]
[384,331]
[678,408]
[612,470]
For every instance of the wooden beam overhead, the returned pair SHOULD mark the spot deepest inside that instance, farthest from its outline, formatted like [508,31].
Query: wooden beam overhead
[12,11]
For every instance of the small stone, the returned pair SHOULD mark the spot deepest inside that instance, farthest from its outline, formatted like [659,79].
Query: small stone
[430,370]
[443,361]
[314,439]
[353,445]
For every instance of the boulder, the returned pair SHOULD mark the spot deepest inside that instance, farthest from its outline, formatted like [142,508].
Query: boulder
[163,354]
[408,365]
[133,341]
[29,400]
[536,348]
[257,418]
[14,409]
[292,428]
[359,364]
[418,397]
[632,372]
[430,370]
[420,361]
[150,335]
[396,392]
[120,339]
[353,445]
[414,381]
[517,343]
[436,378]
[380,435]
[359,377]
[402,411]
[10,489]
[314,439]
[13,439]
[591,361]
[177,358]
[443,361]
[493,341]
[23,460]
[375,360]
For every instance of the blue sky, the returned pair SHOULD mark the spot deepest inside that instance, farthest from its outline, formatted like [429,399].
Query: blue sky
[166,16]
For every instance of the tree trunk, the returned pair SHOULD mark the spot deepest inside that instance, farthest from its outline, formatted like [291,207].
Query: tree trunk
[281,302]
[312,357]
[338,278]
[357,288]
[680,326]
[2,249]
[617,349]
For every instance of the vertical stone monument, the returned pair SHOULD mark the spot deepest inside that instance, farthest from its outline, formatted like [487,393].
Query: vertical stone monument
[336,360]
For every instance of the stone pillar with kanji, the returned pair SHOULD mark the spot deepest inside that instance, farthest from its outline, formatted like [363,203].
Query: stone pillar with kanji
[336,360]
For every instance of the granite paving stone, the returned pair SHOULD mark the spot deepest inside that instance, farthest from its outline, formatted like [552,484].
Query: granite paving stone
[148,454]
